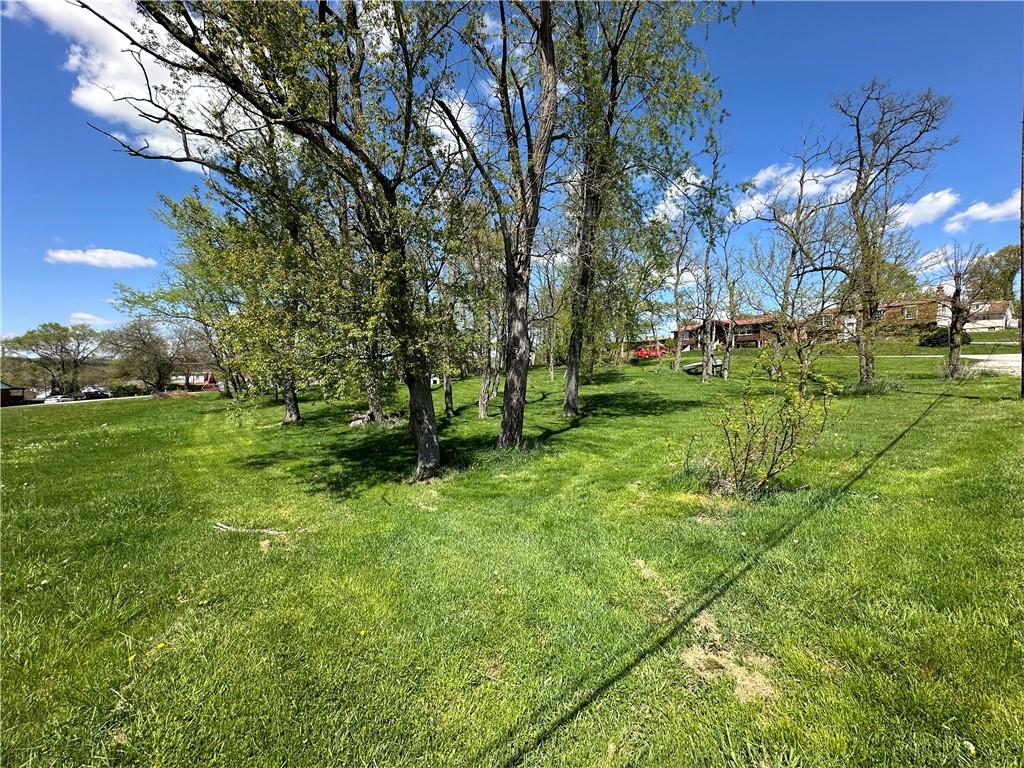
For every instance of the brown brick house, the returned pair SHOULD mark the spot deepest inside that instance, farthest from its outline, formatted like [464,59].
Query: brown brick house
[749,331]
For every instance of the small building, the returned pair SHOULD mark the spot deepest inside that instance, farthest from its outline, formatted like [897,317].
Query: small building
[991,316]
[11,395]
[203,381]
[753,331]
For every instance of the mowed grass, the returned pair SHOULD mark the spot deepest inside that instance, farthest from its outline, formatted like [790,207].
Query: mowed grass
[577,603]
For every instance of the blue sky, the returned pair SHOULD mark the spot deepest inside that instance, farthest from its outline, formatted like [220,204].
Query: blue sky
[67,196]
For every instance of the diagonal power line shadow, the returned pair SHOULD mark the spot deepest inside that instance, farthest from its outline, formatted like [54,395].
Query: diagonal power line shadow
[529,733]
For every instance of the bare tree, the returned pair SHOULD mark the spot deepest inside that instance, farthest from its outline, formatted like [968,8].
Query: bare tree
[956,267]
[891,137]
[800,268]
[682,274]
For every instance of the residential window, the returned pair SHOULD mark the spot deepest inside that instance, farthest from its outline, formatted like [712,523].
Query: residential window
[910,312]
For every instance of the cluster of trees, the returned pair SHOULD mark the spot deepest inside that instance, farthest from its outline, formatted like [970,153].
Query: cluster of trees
[378,174]
[60,359]
[397,190]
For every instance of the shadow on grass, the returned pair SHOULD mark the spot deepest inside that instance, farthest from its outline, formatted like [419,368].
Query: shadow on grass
[533,730]
[328,456]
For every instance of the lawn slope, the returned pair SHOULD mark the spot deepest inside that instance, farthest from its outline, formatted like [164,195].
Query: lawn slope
[577,603]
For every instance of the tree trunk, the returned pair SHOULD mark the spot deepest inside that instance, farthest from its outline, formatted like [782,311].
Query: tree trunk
[707,351]
[584,285]
[374,407]
[449,409]
[517,260]
[485,389]
[551,352]
[423,422]
[483,402]
[677,354]
[865,351]
[955,345]
[730,342]
[957,321]
[517,352]
[291,402]
[499,353]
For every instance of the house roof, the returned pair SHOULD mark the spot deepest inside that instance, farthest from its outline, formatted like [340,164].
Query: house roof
[740,322]
[993,308]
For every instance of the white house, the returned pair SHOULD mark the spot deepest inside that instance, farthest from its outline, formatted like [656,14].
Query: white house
[990,316]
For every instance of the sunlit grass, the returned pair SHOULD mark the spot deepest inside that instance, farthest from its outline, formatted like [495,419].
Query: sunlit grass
[552,606]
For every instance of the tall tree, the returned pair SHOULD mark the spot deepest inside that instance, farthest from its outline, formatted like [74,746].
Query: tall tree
[353,86]
[521,63]
[890,137]
[143,352]
[638,89]
[58,350]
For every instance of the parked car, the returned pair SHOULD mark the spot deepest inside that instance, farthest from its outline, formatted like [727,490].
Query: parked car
[651,351]
[59,399]
[92,394]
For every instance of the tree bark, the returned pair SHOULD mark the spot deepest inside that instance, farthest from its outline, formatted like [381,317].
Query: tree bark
[374,407]
[291,402]
[551,350]
[449,409]
[707,350]
[957,321]
[422,421]
[584,286]
[517,352]
[865,350]
[484,401]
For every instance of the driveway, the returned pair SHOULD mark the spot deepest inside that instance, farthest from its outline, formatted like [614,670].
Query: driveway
[1008,364]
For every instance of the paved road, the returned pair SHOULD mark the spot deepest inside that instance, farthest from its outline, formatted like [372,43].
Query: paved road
[1008,364]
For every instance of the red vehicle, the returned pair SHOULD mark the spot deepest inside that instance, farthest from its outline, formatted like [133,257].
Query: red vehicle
[650,352]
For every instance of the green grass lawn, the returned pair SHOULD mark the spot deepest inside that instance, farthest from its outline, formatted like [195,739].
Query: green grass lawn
[576,603]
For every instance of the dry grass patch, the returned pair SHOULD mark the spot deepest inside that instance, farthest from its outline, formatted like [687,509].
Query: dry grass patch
[710,660]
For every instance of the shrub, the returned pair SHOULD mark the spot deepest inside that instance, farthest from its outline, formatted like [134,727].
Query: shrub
[763,436]
[938,337]
[120,389]
[876,387]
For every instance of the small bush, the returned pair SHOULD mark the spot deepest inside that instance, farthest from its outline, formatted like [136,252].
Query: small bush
[938,337]
[120,389]
[876,387]
[763,437]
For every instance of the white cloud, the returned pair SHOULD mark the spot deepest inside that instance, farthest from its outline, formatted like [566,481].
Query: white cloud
[929,208]
[466,115]
[105,71]
[87,318]
[784,182]
[99,257]
[673,201]
[930,262]
[1007,209]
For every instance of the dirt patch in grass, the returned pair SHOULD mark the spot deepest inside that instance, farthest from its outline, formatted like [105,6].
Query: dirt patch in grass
[710,660]
[490,669]
[649,574]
